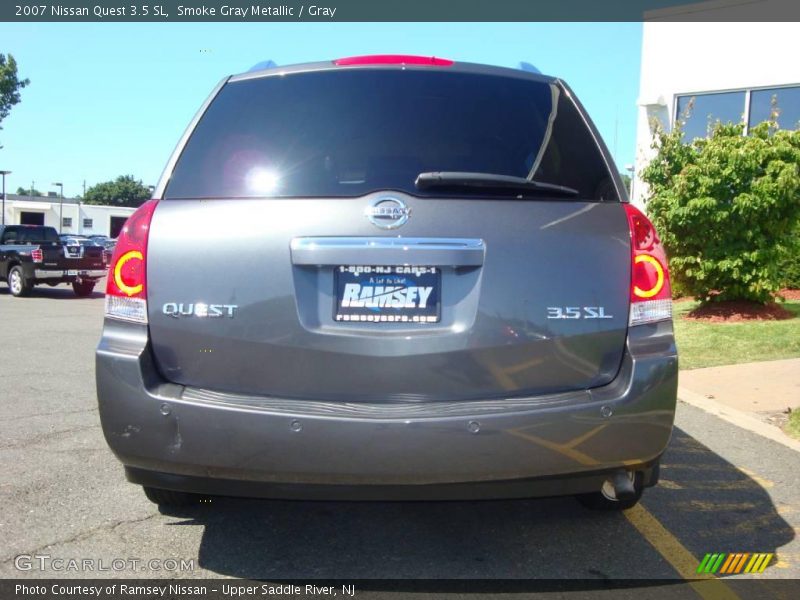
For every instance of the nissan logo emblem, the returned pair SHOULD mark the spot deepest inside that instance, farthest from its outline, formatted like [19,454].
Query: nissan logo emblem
[387,213]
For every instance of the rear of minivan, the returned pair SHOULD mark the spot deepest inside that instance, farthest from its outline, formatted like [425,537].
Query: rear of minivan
[389,277]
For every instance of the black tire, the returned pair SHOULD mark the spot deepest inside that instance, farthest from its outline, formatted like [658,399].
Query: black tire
[17,284]
[83,289]
[171,498]
[604,500]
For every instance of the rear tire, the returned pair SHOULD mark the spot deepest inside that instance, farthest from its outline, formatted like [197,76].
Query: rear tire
[171,497]
[17,284]
[606,500]
[83,289]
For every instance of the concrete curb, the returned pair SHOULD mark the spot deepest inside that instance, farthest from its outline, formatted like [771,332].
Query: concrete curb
[738,418]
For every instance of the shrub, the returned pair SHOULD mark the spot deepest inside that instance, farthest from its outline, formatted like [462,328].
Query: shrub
[726,207]
[789,266]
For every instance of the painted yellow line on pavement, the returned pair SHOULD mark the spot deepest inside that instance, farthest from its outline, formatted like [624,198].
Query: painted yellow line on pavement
[765,483]
[668,484]
[697,467]
[684,562]
[718,507]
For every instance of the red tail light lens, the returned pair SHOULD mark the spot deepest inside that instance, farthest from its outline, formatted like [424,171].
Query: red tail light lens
[126,290]
[393,59]
[651,295]
[37,255]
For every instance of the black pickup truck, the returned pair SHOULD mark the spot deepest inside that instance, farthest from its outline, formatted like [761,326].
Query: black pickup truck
[31,254]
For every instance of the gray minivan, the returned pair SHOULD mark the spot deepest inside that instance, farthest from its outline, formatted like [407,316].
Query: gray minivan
[389,277]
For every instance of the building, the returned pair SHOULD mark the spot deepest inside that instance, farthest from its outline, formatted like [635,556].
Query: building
[72,215]
[728,71]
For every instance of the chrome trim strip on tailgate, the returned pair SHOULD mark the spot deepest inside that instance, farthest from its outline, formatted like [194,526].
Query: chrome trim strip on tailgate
[454,252]
[397,410]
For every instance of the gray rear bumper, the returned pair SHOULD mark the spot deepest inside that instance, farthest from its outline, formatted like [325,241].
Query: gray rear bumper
[174,437]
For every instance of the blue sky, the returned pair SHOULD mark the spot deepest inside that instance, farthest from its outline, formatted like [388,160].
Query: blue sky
[108,99]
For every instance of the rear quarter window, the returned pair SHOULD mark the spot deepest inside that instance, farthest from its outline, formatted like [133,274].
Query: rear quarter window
[355,131]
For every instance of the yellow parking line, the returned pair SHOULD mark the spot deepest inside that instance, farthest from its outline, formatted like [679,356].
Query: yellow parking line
[699,505]
[668,484]
[765,483]
[684,562]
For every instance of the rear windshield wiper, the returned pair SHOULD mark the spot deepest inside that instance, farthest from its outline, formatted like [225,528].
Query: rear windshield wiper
[489,181]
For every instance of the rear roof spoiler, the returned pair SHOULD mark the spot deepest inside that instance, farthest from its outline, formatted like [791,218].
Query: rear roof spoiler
[264,64]
[526,66]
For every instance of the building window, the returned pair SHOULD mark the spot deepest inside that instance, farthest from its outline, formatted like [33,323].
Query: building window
[787,101]
[87,223]
[700,111]
[66,222]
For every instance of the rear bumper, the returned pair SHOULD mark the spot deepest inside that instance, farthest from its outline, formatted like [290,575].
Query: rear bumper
[174,437]
[70,274]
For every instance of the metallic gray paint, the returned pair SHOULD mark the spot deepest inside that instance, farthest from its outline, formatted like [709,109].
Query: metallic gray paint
[270,441]
[283,396]
[493,340]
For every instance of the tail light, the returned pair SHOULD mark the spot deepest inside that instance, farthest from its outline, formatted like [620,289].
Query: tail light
[37,255]
[126,291]
[651,296]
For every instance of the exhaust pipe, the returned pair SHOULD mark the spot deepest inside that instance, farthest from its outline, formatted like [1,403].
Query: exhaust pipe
[622,484]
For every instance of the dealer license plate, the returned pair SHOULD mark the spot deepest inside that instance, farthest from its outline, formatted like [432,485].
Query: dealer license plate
[387,294]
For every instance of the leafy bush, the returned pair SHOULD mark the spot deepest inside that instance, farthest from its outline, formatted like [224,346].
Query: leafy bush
[726,207]
[789,267]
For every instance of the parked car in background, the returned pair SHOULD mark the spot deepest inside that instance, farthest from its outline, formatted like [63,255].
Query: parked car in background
[100,239]
[74,244]
[436,289]
[33,254]
[106,242]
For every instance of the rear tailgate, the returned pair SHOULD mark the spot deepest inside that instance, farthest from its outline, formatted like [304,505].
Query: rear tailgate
[494,337]
[77,258]
[266,209]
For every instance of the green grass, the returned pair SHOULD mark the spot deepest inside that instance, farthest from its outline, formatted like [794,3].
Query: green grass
[793,426]
[714,344]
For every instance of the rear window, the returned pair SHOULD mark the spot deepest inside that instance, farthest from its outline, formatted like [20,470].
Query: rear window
[352,132]
[30,235]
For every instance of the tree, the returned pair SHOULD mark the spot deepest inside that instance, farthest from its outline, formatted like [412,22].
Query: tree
[123,191]
[29,192]
[726,207]
[10,85]
[626,181]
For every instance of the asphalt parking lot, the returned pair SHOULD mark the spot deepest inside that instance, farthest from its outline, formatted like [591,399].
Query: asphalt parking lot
[63,494]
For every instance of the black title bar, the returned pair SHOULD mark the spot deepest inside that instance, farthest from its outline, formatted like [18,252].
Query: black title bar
[399,10]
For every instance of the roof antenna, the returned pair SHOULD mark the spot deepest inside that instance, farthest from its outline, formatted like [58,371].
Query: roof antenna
[526,66]
[264,64]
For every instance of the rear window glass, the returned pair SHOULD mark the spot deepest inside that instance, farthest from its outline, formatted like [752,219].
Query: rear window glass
[29,235]
[352,132]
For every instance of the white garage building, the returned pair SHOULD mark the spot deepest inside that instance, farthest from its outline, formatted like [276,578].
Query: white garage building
[731,70]
[74,217]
